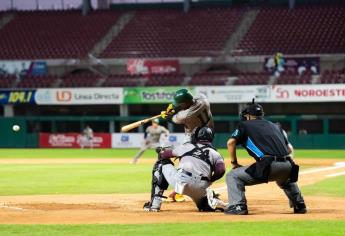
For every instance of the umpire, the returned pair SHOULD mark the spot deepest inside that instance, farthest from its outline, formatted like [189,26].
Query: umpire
[264,141]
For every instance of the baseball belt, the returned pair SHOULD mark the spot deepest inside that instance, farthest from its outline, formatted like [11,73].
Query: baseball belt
[279,159]
[190,174]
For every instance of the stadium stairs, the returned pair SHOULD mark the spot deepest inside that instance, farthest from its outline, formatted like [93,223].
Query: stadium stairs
[244,25]
[123,20]
[172,33]
[5,19]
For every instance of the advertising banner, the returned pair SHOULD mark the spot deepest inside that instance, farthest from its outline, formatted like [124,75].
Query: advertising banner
[39,68]
[126,140]
[135,140]
[74,140]
[308,93]
[235,94]
[150,95]
[68,96]
[17,97]
[142,66]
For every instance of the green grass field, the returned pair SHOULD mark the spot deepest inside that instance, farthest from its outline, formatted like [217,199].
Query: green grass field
[31,179]
[128,153]
[34,179]
[328,187]
[292,228]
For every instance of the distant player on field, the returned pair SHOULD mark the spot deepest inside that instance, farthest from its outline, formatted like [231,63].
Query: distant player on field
[151,138]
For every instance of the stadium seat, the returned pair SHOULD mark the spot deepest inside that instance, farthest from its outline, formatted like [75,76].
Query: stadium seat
[37,81]
[173,33]
[252,78]
[7,81]
[333,77]
[210,78]
[123,80]
[80,80]
[303,30]
[53,34]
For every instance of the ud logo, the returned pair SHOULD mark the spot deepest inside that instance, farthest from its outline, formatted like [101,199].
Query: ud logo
[63,96]
[172,138]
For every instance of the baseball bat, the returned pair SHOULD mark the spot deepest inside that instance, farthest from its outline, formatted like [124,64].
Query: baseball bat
[138,123]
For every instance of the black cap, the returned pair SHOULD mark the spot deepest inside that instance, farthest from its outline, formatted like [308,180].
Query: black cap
[253,109]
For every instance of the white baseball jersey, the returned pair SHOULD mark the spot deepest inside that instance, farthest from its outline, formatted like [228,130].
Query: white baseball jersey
[154,134]
[88,132]
[196,115]
[193,164]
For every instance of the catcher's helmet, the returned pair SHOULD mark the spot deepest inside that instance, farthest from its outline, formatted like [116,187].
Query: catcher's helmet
[182,96]
[204,134]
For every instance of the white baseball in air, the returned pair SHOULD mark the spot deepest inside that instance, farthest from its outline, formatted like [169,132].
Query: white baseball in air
[16,128]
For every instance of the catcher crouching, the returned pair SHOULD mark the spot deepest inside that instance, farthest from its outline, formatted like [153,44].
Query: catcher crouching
[199,166]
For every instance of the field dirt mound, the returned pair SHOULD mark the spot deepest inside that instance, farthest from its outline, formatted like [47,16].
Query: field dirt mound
[266,202]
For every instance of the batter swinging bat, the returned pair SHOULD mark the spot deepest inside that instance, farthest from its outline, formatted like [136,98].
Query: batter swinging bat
[138,123]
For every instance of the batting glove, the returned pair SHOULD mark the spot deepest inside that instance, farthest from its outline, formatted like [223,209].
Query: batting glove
[170,109]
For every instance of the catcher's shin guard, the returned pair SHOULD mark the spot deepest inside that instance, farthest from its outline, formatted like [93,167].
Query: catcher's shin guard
[159,184]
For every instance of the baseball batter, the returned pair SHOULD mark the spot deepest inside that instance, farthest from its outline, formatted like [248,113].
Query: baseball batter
[151,138]
[193,112]
[200,165]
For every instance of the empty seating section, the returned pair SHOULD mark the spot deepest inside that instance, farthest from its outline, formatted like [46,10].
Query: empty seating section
[7,81]
[333,77]
[252,78]
[37,81]
[123,80]
[306,29]
[210,78]
[172,33]
[165,80]
[80,80]
[293,79]
[53,34]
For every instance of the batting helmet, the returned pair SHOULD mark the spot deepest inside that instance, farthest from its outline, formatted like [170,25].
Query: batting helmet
[204,134]
[182,96]
[156,121]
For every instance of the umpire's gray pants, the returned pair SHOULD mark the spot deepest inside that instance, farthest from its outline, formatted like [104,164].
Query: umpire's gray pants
[192,186]
[237,179]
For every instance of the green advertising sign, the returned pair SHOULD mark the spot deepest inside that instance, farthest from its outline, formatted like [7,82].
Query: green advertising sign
[147,95]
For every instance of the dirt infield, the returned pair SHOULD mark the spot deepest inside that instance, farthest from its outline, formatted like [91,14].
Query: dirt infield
[266,202]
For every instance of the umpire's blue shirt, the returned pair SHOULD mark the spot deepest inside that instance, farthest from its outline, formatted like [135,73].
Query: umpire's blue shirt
[261,137]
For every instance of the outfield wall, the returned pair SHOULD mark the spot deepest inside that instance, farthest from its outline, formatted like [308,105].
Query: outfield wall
[322,136]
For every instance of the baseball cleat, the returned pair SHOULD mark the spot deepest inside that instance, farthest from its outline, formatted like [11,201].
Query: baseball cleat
[175,197]
[179,198]
[149,207]
[236,210]
[300,209]
[213,200]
